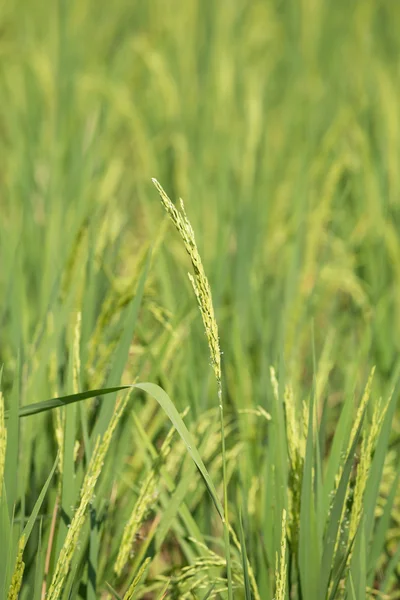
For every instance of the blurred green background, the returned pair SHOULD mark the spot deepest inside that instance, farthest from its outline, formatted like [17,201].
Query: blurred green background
[277,123]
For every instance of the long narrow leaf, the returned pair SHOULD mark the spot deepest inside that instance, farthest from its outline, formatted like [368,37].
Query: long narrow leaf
[11,464]
[169,408]
[247,585]
[335,518]
[45,405]
[166,404]
[308,551]
[32,519]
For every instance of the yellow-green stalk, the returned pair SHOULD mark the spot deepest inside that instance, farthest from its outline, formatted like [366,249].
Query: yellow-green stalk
[58,413]
[163,593]
[76,368]
[131,590]
[89,483]
[203,294]
[3,442]
[76,364]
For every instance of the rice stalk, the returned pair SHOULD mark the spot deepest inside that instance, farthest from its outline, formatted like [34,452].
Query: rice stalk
[76,364]
[163,593]
[131,590]
[3,442]
[58,414]
[203,294]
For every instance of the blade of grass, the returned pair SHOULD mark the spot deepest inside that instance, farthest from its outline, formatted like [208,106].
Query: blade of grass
[93,558]
[173,507]
[387,584]
[12,449]
[375,474]
[68,487]
[340,439]
[34,514]
[163,592]
[340,571]
[352,588]
[335,518]
[166,404]
[209,592]
[379,537]
[308,545]
[137,579]
[169,408]
[247,586]
[113,592]
[39,566]
[122,352]
[357,571]
[45,405]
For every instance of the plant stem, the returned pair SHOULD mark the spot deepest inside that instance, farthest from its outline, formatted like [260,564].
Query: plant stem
[225,489]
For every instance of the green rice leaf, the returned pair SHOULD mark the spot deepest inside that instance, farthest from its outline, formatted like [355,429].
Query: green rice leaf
[308,545]
[247,585]
[379,536]
[169,408]
[335,518]
[12,448]
[34,514]
[166,404]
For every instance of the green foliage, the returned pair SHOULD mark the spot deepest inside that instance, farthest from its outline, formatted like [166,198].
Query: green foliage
[278,124]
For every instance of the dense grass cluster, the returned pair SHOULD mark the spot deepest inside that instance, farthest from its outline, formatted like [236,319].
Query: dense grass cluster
[129,466]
